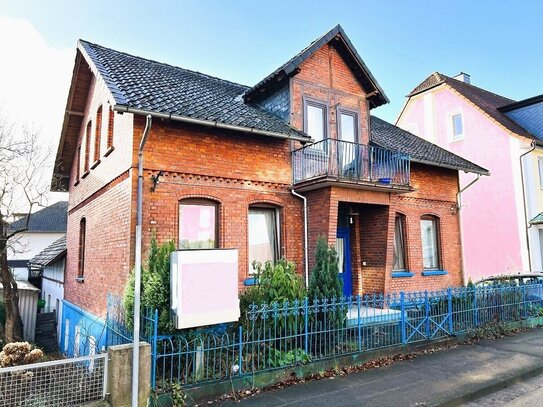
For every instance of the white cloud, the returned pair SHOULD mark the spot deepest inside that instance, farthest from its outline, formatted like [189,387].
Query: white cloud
[34,80]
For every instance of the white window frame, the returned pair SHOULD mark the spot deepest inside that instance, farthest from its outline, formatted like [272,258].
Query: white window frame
[307,101]
[277,232]
[450,126]
[540,171]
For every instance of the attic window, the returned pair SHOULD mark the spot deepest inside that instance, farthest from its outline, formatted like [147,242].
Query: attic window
[87,149]
[98,135]
[110,128]
[457,126]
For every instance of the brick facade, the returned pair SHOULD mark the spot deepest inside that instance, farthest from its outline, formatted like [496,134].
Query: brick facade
[237,170]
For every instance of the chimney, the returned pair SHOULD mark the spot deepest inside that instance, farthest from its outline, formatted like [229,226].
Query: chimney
[463,77]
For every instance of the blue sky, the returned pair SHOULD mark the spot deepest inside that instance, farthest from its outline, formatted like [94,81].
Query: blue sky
[498,42]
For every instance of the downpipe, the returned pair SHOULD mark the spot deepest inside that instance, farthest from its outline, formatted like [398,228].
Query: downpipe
[306,248]
[526,222]
[459,205]
[137,272]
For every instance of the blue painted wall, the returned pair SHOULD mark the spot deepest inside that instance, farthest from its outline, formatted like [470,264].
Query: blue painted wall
[91,329]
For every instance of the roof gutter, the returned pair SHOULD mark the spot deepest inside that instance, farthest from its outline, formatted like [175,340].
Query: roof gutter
[451,167]
[209,123]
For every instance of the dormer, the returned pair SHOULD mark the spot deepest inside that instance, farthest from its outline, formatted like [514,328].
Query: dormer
[324,89]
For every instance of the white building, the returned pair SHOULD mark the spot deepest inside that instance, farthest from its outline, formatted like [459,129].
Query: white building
[44,227]
[50,264]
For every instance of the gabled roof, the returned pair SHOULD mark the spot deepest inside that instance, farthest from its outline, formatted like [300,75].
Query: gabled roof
[337,37]
[53,218]
[151,86]
[387,135]
[488,102]
[50,254]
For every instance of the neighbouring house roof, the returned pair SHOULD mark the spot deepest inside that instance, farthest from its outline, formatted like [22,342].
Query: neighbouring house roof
[387,135]
[23,286]
[152,86]
[528,113]
[537,220]
[53,218]
[17,263]
[488,102]
[337,37]
[50,254]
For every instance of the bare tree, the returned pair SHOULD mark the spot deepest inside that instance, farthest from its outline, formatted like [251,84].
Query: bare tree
[22,187]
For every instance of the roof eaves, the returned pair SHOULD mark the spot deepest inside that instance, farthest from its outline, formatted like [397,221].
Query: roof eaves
[293,135]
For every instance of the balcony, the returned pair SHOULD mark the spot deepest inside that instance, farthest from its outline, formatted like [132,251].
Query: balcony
[331,161]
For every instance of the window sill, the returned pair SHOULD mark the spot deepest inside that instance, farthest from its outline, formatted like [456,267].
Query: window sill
[80,279]
[400,274]
[109,151]
[250,281]
[85,174]
[95,164]
[434,273]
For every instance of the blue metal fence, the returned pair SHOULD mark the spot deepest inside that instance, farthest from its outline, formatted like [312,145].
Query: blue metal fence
[272,336]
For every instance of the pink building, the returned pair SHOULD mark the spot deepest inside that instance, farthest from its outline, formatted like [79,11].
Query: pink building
[467,121]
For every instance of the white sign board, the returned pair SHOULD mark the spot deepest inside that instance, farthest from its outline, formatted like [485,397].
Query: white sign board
[204,287]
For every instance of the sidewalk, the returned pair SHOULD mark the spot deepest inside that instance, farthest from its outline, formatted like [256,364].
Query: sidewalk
[449,377]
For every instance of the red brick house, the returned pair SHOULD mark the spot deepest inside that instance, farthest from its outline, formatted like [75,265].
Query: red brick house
[222,161]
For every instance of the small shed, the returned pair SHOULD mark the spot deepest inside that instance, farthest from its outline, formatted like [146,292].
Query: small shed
[28,307]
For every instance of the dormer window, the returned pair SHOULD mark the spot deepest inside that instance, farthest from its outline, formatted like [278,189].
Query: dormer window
[315,119]
[348,125]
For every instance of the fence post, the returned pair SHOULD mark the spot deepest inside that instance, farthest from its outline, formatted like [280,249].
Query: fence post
[153,352]
[359,324]
[240,349]
[450,310]
[475,310]
[427,319]
[402,312]
[306,326]
[524,302]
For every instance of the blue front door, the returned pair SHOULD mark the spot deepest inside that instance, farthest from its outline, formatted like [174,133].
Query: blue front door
[343,248]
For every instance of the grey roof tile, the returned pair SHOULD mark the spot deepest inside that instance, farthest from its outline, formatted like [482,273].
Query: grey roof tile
[53,218]
[51,253]
[387,135]
[157,87]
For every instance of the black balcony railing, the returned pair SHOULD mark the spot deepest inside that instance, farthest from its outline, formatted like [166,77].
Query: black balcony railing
[344,160]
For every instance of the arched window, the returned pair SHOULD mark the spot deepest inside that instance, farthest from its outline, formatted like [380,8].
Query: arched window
[81,260]
[399,262]
[98,134]
[198,224]
[87,148]
[264,233]
[110,126]
[429,229]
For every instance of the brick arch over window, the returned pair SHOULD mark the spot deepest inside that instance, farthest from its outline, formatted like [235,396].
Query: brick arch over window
[98,134]
[198,223]
[431,242]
